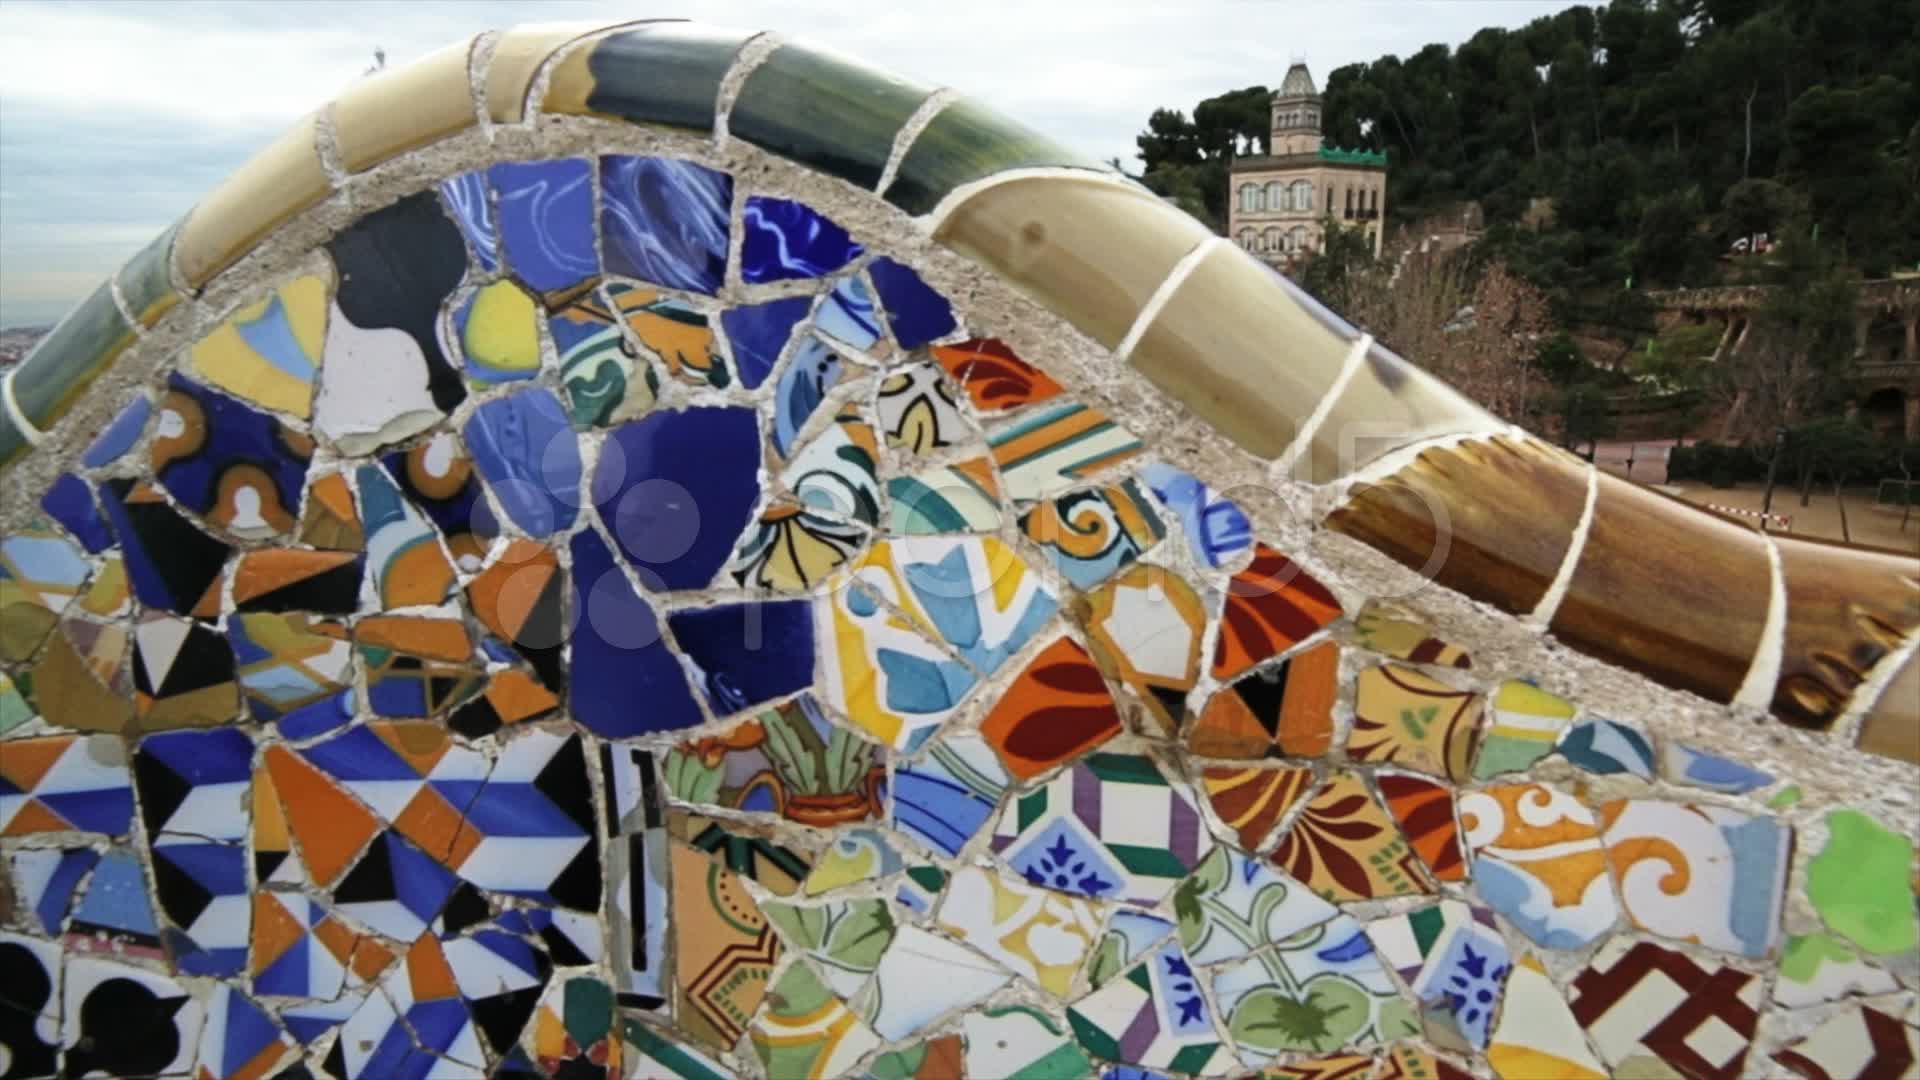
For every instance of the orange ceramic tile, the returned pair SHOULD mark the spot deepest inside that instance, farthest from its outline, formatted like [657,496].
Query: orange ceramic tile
[1543,847]
[274,185]
[1056,709]
[1509,507]
[1424,810]
[994,378]
[1091,250]
[329,824]
[270,837]
[428,973]
[396,110]
[724,950]
[1285,709]
[435,639]
[1145,628]
[330,520]
[515,696]
[1639,598]
[271,569]
[505,594]
[1250,801]
[1271,605]
[1345,847]
[1847,607]
[1407,718]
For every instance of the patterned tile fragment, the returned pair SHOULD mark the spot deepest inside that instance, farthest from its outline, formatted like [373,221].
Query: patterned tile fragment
[1858,1044]
[1453,960]
[238,468]
[675,332]
[836,473]
[1523,724]
[1320,989]
[1424,811]
[496,329]
[120,1020]
[994,378]
[1387,628]
[665,221]
[1690,765]
[1406,718]
[1270,606]
[789,760]
[1035,932]
[1282,710]
[918,411]
[808,1032]
[959,498]
[786,240]
[1111,827]
[791,549]
[602,374]
[1704,874]
[527,454]
[1537,1034]
[1641,1001]
[844,938]
[724,950]
[1020,1043]
[1816,968]
[1145,628]
[53,783]
[185,581]
[1251,801]
[745,850]
[330,519]
[944,798]
[1608,748]
[1234,904]
[1538,859]
[1047,450]
[546,220]
[268,352]
[921,977]
[759,333]
[1129,936]
[1154,1016]
[404,555]
[847,321]
[1217,530]
[1345,847]
[1092,535]
[1056,709]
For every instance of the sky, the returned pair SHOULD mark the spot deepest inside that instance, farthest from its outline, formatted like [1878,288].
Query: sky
[115,116]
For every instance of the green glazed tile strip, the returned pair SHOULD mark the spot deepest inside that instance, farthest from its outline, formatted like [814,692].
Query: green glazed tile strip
[13,441]
[664,74]
[145,281]
[964,143]
[820,110]
[67,360]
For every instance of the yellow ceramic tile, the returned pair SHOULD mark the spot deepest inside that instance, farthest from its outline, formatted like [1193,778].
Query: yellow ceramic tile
[1090,250]
[269,351]
[387,114]
[275,184]
[1232,346]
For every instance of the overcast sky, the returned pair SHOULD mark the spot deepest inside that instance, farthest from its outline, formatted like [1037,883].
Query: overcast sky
[114,117]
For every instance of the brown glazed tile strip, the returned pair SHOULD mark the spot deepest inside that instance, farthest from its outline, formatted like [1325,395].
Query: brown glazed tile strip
[1892,727]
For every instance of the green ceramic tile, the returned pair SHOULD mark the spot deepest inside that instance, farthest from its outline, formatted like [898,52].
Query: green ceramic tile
[146,282]
[1859,884]
[663,74]
[820,110]
[13,442]
[965,143]
[67,360]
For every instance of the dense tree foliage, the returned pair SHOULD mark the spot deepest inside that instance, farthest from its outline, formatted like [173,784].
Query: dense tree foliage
[1661,130]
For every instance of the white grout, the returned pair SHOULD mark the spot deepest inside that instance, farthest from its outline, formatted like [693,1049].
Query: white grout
[1303,437]
[1162,294]
[1549,604]
[1756,690]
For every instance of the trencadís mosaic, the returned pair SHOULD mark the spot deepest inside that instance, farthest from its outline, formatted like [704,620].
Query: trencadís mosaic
[603,616]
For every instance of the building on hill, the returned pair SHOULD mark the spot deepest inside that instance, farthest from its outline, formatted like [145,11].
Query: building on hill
[1278,204]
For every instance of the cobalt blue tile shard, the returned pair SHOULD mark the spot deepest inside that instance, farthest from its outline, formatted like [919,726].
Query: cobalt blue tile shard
[397,267]
[119,436]
[202,889]
[748,653]
[915,312]
[665,222]
[759,332]
[675,490]
[115,903]
[624,680]
[546,220]
[239,468]
[848,317]
[470,203]
[786,241]
[170,562]
[438,479]
[70,502]
[527,453]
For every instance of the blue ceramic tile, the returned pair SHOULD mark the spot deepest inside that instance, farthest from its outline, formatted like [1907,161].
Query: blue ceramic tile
[395,888]
[946,797]
[70,502]
[119,436]
[528,456]
[116,898]
[211,451]
[438,479]
[748,653]
[1216,527]
[665,222]
[1605,748]
[169,561]
[1688,765]
[848,316]
[545,217]
[318,718]
[676,489]
[915,312]
[758,333]
[202,888]
[786,240]
[623,681]
[803,385]
[47,879]
[469,204]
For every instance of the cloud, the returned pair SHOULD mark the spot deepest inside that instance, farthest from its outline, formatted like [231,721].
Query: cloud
[114,117]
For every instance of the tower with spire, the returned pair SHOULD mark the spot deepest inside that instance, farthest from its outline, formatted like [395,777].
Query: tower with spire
[1280,204]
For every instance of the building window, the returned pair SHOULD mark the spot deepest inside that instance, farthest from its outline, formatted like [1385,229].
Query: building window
[1349,204]
[1249,197]
[1274,241]
[1302,195]
[1273,195]
[1246,239]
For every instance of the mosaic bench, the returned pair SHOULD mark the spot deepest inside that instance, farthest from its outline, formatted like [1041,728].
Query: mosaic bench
[658,551]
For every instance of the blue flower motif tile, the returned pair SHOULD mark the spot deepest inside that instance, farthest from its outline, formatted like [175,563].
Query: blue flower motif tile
[470,205]
[1606,748]
[676,489]
[527,453]
[70,502]
[759,332]
[1216,527]
[944,798]
[915,312]
[119,436]
[624,680]
[786,240]
[239,468]
[546,220]
[665,222]
[748,653]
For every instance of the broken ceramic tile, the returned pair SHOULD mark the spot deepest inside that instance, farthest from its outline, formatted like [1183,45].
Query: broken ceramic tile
[268,352]
[1345,847]
[1318,990]
[1650,1008]
[1703,874]
[1406,718]
[1538,859]
[1037,933]
[1524,723]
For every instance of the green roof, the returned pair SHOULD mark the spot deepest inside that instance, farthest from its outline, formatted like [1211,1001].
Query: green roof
[1353,157]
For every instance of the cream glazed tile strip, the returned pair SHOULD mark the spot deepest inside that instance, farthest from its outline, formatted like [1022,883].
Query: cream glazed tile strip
[1549,603]
[1756,690]
[932,221]
[1310,427]
[1175,278]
